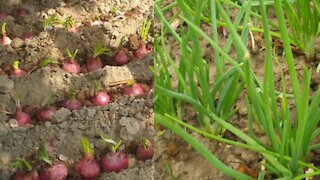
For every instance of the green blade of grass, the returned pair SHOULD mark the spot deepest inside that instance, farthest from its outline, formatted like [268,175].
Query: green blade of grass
[200,148]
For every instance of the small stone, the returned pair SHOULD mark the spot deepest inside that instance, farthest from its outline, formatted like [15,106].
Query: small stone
[62,4]
[6,84]
[13,123]
[107,26]
[51,12]
[232,161]
[47,124]
[115,33]
[248,156]
[62,157]
[133,126]
[17,43]
[43,35]
[32,43]
[132,162]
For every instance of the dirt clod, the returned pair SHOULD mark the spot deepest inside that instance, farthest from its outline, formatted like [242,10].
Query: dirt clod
[5,85]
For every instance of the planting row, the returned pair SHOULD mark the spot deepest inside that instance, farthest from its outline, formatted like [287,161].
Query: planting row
[115,160]
[73,101]
[49,21]
[71,65]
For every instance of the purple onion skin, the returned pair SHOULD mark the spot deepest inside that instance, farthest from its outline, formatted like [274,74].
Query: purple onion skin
[21,12]
[18,73]
[141,52]
[27,36]
[46,114]
[114,162]
[50,146]
[144,153]
[3,15]
[135,90]
[57,171]
[26,175]
[88,168]
[5,40]
[94,64]
[71,66]
[121,58]
[73,30]
[100,99]
[22,118]
[95,23]
[72,104]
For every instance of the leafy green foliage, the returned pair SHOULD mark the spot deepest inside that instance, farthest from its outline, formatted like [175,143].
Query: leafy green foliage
[69,22]
[214,98]
[303,18]
[49,22]
[145,29]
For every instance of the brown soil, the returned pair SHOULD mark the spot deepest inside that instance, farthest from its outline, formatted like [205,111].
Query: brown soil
[176,158]
[127,117]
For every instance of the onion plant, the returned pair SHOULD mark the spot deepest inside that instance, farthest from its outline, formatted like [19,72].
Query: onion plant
[195,86]
[303,19]
[49,22]
[290,139]
[217,94]
[144,30]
